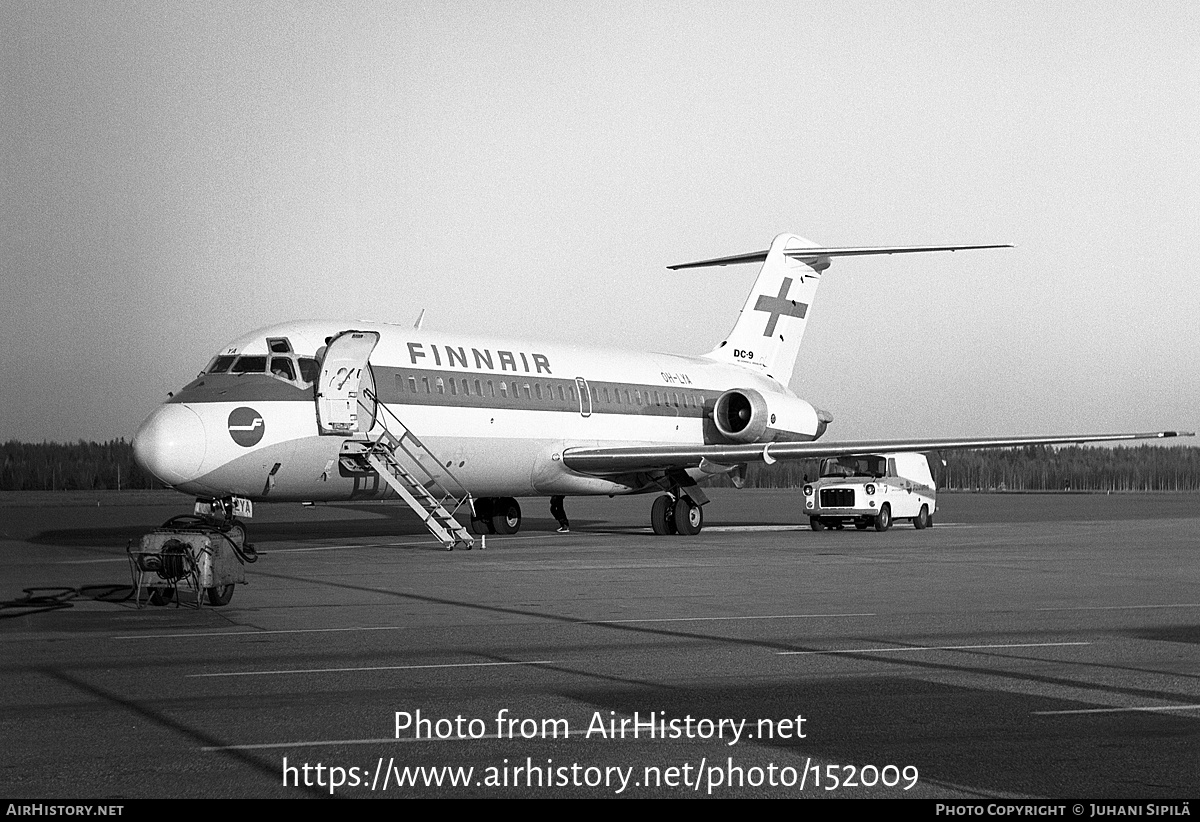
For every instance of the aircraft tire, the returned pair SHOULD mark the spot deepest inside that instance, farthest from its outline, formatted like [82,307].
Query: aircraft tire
[662,515]
[506,516]
[219,595]
[689,517]
[884,520]
[816,524]
[481,517]
[921,520]
[481,520]
[861,525]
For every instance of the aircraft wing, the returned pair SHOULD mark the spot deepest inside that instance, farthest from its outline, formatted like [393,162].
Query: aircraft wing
[632,458]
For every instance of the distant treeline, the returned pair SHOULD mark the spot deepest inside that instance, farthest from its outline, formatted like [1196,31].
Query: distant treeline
[78,466]
[86,466]
[1033,468]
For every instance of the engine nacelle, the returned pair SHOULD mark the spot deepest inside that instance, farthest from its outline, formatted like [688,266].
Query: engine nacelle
[744,415]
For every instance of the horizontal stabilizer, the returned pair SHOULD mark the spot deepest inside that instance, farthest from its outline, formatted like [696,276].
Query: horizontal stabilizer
[808,254]
[672,457]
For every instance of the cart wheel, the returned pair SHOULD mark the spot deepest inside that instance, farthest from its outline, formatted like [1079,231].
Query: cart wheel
[219,595]
[161,596]
[237,534]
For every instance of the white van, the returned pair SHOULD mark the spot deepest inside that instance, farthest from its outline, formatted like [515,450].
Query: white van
[871,490]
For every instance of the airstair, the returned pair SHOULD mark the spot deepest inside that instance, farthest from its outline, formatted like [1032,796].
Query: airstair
[436,498]
[348,407]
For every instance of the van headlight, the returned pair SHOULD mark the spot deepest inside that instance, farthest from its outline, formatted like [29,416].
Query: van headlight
[808,490]
[870,488]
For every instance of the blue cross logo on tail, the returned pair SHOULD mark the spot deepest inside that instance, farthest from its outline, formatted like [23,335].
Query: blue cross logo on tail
[780,306]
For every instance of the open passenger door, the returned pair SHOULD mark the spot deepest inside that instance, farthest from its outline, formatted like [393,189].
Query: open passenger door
[341,407]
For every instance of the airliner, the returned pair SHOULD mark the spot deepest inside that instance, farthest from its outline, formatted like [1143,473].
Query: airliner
[287,412]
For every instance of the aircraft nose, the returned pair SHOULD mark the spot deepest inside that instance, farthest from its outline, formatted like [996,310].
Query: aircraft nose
[170,444]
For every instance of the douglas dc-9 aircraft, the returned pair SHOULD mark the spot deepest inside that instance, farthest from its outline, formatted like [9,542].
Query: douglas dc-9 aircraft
[337,410]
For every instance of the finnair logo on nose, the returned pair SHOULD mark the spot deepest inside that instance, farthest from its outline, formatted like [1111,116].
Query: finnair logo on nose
[246,426]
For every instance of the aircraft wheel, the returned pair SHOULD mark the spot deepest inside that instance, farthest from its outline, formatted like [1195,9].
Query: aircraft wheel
[481,520]
[816,524]
[689,517]
[219,595]
[662,515]
[506,516]
[929,522]
[861,525]
[921,520]
[884,520]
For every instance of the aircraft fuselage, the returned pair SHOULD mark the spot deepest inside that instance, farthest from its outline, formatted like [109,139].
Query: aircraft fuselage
[499,414]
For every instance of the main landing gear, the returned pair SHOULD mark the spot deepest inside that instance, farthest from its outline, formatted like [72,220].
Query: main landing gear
[676,514]
[496,515]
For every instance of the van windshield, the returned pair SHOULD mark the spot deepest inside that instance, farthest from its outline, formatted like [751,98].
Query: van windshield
[868,466]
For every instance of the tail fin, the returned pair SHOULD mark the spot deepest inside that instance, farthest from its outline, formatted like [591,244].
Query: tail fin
[769,329]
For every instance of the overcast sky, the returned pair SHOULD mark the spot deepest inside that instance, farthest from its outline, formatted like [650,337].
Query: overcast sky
[175,174]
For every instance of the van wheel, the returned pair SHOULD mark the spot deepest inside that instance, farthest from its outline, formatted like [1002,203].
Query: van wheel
[884,520]
[921,520]
[816,524]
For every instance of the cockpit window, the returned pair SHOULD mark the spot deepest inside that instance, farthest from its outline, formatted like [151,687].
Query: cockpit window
[249,365]
[220,364]
[309,370]
[282,367]
[279,345]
